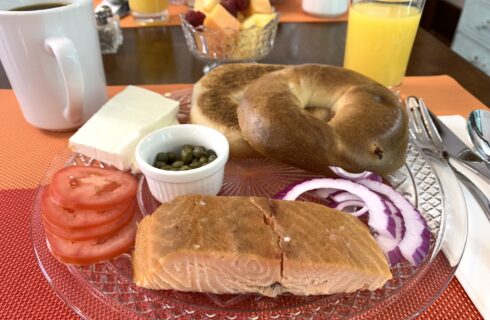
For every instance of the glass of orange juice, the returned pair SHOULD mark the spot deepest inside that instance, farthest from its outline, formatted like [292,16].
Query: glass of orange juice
[380,35]
[149,11]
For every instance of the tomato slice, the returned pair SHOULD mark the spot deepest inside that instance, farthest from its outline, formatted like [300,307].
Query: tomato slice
[103,230]
[94,250]
[71,219]
[81,187]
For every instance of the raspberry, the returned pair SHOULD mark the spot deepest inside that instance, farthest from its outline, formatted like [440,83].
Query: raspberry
[195,18]
[242,5]
[230,6]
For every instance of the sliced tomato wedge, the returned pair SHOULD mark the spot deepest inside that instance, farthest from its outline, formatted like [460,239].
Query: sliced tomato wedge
[95,232]
[80,187]
[95,250]
[73,219]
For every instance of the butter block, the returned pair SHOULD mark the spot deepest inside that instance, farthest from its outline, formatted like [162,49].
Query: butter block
[111,135]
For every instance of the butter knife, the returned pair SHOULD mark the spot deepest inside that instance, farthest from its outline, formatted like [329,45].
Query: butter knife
[460,152]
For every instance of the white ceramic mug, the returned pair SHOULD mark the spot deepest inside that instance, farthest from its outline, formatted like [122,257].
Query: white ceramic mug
[53,61]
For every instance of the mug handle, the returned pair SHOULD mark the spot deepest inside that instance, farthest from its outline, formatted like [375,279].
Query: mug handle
[71,72]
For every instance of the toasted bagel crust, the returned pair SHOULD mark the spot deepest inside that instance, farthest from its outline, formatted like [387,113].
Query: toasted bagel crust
[309,116]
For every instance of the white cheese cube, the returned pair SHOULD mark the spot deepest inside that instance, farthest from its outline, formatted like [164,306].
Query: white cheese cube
[111,135]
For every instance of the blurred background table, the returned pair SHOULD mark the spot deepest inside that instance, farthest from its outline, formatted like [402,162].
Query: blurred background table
[159,55]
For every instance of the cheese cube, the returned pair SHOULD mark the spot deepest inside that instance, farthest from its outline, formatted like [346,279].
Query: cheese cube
[111,134]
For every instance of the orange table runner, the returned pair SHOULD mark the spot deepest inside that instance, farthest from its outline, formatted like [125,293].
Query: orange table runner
[26,153]
[290,10]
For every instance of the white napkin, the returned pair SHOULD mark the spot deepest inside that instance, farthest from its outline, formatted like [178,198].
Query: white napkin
[474,270]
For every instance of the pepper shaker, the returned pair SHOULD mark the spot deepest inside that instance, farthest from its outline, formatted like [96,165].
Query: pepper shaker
[108,36]
[114,19]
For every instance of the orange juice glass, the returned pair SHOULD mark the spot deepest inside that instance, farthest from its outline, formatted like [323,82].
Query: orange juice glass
[149,11]
[380,37]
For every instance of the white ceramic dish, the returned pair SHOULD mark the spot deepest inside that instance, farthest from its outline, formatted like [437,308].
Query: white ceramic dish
[165,185]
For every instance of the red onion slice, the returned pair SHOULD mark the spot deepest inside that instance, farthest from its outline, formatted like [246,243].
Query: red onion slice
[343,206]
[355,176]
[380,218]
[344,196]
[415,242]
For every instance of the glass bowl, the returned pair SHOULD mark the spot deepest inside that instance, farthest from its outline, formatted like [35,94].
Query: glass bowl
[216,47]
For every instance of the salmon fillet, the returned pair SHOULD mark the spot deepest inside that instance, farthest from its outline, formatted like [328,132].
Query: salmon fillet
[251,244]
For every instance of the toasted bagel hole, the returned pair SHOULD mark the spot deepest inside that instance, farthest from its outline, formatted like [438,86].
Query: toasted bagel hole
[323,114]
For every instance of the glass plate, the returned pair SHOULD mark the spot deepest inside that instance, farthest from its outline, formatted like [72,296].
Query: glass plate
[105,290]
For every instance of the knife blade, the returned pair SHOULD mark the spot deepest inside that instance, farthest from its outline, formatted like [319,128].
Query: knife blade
[460,151]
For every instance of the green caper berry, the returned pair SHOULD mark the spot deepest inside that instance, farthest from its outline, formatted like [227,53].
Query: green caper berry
[187,147]
[177,164]
[195,164]
[203,159]
[171,157]
[186,156]
[198,152]
[211,158]
[166,167]
[184,167]
[210,152]
[162,157]
[159,164]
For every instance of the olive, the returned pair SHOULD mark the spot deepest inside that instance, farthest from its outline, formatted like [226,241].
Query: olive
[162,157]
[211,158]
[177,164]
[171,157]
[198,152]
[210,152]
[186,156]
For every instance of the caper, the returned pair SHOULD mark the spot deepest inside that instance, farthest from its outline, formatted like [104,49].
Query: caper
[203,159]
[187,147]
[171,157]
[198,152]
[211,158]
[186,155]
[195,164]
[177,164]
[184,167]
[159,164]
[162,157]
[210,152]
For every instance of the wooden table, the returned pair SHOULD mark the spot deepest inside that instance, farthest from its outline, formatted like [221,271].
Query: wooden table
[160,55]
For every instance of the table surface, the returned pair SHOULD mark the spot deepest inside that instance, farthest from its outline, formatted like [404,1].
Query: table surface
[159,56]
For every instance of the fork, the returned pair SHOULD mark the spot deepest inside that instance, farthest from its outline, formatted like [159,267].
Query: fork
[425,135]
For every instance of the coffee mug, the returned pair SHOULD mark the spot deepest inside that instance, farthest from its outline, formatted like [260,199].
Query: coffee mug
[51,54]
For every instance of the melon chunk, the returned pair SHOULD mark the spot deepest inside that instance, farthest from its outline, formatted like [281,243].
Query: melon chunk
[259,6]
[258,19]
[219,18]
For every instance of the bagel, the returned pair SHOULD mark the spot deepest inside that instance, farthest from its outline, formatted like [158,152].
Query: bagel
[215,99]
[309,116]
[366,128]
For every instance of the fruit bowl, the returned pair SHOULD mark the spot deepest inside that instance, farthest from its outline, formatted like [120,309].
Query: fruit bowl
[216,47]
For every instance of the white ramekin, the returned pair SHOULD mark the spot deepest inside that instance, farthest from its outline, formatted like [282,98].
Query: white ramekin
[165,185]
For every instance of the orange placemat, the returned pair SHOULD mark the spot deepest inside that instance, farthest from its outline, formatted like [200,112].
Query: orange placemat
[27,152]
[290,12]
